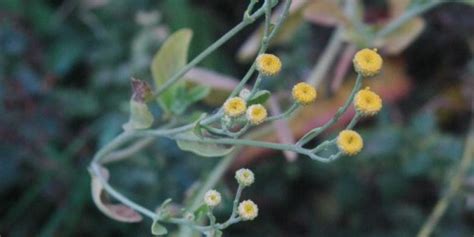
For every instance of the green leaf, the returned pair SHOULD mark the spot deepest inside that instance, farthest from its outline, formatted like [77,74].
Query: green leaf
[197,130]
[158,229]
[201,211]
[171,57]
[184,97]
[162,212]
[140,116]
[260,97]
[203,149]
[217,233]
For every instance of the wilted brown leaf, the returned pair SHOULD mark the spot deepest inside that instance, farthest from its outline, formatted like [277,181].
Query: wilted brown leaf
[118,212]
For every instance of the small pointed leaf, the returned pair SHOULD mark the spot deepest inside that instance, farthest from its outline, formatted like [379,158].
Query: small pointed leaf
[158,229]
[260,97]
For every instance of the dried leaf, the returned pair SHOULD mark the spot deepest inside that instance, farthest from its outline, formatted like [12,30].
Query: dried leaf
[118,212]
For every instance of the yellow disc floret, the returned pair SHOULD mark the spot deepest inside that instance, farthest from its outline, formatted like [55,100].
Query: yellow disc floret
[367,62]
[304,93]
[367,102]
[349,142]
[248,210]
[245,177]
[234,107]
[268,64]
[256,114]
[212,198]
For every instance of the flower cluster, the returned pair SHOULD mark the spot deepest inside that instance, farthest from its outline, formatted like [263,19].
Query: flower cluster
[246,210]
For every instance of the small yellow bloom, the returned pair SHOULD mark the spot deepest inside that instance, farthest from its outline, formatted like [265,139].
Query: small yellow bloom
[349,142]
[367,62]
[245,177]
[248,210]
[234,107]
[212,198]
[268,64]
[304,93]
[256,114]
[367,102]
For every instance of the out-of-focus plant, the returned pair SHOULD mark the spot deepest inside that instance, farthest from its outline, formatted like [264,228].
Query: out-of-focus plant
[217,134]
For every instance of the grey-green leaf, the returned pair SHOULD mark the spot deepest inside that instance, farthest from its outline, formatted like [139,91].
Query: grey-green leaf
[158,229]
[140,116]
[203,149]
[171,57]
[259,98]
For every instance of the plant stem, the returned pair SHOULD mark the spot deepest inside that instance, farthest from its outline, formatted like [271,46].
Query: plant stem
[454,186]
[179,75]
[284,115]
[316,131]
[408,15]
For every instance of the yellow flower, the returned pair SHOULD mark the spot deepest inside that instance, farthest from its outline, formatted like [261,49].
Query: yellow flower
[367,102]
[245,177]
[349,142]
[248,210]
[212,198]
[234,107]
[367,62]
[304,93]
[256,114]
[268,64]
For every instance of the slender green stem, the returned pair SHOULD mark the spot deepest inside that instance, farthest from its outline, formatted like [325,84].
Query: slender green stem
[316,131]
[236,201]
[262,49]
[284,115]
[454,186]
[408,15]
[179,75]
[354,120]
[255,86]
[96,171]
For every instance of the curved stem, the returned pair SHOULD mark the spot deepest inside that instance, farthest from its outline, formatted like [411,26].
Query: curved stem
[454,186]
[179,75]
[316,131]
[284,115]
[408,15]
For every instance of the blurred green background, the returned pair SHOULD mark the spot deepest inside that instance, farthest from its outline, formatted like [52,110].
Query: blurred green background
[64,90]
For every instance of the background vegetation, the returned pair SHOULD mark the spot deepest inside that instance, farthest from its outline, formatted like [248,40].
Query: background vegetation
[64,90]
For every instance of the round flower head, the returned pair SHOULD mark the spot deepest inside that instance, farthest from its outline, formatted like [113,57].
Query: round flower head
[234,107]
[367,102]
[367,62]
[212,198]
[245,177]
[268,64]
[349,142]
[256,114]
[304,93]
[248,210]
